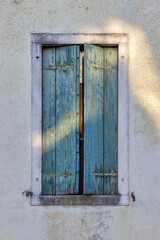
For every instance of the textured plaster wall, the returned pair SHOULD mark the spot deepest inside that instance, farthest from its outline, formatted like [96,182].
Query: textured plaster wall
[20,18]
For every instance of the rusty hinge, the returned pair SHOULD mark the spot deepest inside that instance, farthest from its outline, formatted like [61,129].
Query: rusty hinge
[102,67]
[104,174]
[58,67]
[133,196]
[28,193]
[57,174]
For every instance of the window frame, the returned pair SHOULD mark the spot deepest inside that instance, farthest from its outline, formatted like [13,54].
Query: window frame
[38,40]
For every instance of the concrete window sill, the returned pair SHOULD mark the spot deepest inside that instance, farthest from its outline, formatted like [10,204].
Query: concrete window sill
[93,200]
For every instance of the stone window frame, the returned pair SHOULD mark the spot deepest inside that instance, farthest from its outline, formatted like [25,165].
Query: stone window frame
[38,40]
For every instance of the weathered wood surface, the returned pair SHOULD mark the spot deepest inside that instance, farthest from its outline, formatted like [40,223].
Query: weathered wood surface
[48,123]
[61,120]
[100,127]
[110,120]
[60,148]
[93,119]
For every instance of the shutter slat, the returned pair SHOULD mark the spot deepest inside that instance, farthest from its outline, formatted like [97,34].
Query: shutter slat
[110,120]
[48,123]
[66,120]
[76,183]
[93,120]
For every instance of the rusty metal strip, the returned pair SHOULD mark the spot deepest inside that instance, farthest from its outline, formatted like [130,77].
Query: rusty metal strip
[104,174]
[58,67]
[103,67]
[57,174]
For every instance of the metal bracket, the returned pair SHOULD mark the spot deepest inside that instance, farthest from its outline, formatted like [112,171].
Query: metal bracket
[57,174]
[103,67]
[133,196]
[58,67]
[104,174]
[28,193]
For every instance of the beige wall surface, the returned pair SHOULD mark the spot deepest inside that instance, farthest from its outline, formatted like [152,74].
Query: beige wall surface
[138,18]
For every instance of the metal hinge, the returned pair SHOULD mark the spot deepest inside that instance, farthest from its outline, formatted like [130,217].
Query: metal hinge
[104,174]
[57,174]
[58,67]
[102,67]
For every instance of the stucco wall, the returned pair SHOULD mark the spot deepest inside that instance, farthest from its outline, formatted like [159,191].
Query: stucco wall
[20,18]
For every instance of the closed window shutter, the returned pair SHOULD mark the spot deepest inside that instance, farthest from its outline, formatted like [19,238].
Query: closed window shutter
[100,120]
[60,122]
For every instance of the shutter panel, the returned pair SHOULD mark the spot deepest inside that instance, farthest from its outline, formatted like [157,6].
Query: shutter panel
[61,155]
[93,119]
[100,120]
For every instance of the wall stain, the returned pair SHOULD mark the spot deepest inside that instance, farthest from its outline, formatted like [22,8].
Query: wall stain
[17,2]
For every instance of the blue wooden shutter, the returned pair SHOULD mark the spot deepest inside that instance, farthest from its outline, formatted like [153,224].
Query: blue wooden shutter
[100,120]
[60,122]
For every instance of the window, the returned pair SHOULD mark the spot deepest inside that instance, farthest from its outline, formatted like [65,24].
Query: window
[79,119]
